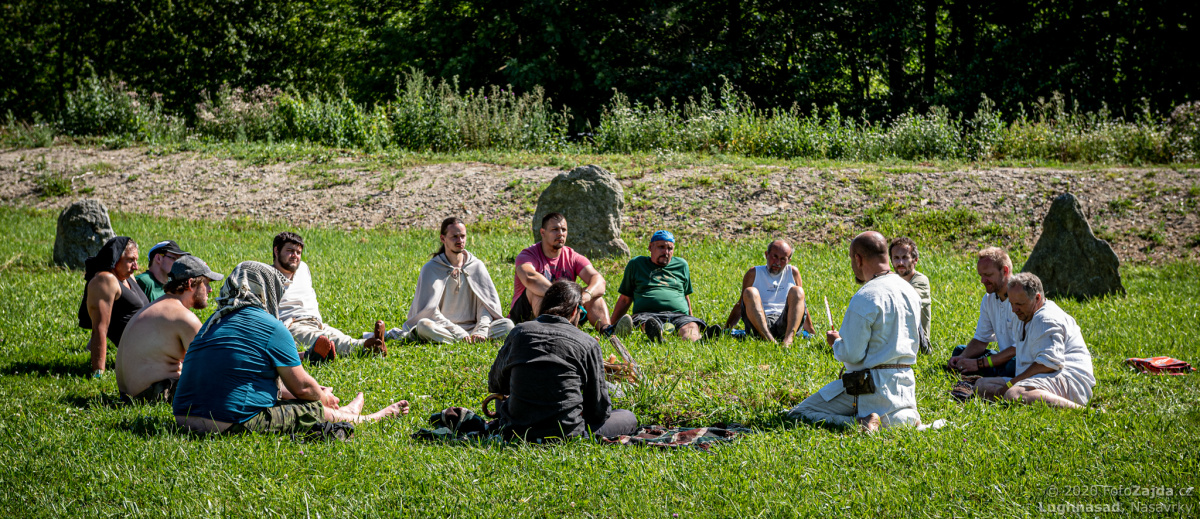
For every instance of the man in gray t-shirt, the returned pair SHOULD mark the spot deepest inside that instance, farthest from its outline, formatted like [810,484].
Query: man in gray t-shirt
[903,252]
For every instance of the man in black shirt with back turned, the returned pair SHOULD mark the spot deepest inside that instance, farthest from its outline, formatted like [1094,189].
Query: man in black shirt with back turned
[553,374]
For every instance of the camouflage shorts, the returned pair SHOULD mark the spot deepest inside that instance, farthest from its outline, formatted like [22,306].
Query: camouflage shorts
[288,417]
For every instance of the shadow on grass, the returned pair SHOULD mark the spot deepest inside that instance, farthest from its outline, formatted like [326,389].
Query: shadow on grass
[155,426]
[88,402]
[46,368]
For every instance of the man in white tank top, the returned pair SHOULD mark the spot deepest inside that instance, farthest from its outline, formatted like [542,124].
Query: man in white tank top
[771,304]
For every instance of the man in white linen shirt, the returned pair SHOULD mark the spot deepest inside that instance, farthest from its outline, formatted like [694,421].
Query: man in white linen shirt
[1053,362]
[300,313]
[880,332]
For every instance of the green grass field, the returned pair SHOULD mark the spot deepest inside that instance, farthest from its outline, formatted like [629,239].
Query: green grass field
[70,451]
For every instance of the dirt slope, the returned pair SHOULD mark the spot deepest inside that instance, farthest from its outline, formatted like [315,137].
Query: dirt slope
[1150,215]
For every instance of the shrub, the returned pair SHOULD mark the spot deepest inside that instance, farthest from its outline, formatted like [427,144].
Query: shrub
[18,134]
[105,107]
[100,107]
[1183,132]
[236,115]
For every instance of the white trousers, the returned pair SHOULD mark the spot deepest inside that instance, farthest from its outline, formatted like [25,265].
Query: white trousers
[894,400]
[430,331]
[307,331]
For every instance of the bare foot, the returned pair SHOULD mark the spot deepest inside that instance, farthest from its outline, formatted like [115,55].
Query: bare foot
[787,340]
[396,409]
[869,424]
[355,406]
[376,345]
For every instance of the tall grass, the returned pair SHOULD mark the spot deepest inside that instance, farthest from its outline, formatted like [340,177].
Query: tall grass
[438,116]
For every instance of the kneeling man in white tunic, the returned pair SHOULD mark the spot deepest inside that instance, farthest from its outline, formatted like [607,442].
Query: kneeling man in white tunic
[880,334]
[1053,362]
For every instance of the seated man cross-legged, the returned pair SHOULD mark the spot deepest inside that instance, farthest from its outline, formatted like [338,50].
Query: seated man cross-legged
[772,300]
[455,299]
[997,322]
[1053,362]
[553,376]
[242,372]
[550,260]
[656,290]
[151,356]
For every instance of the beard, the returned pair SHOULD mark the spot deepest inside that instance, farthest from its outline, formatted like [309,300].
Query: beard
[288,266]
[200,300]
[775,272]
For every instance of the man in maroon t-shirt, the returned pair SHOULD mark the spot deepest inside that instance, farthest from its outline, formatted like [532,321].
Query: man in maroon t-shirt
[548,261]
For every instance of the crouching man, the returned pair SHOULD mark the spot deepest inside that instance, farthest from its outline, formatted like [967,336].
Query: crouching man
[1053,362]
[149,362]
[553,374]
[878,340]
[233,369]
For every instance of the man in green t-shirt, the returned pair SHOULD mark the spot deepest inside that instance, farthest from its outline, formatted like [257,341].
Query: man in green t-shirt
[161,258]
[655,291]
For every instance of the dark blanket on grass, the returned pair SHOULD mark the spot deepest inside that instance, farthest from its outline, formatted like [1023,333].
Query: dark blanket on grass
[457,424]
[699,437]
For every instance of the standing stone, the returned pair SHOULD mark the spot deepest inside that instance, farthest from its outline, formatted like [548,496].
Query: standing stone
[592,200]
[1069,259]
[83,227]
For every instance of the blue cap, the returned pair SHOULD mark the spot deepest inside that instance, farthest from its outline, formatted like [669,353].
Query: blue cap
[662,236]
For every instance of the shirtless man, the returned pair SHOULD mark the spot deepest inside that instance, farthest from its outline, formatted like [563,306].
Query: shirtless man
[150,359]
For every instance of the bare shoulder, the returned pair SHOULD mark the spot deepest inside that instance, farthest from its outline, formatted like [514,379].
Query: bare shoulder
[104,284]
[796,274]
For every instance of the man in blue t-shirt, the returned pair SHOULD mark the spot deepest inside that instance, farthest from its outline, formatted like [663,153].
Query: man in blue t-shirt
[242,372]
[655,291]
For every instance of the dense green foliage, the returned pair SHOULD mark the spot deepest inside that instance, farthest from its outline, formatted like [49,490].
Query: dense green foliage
[439,117]
[70,451]
[881,57]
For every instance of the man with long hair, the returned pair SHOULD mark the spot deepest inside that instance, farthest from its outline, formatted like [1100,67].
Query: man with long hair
[553,376]
[455,299]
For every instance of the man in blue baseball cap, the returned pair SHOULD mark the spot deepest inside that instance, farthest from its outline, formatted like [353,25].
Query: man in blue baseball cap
[654,292]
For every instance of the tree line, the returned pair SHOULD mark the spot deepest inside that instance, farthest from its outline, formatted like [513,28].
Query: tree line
[879,58]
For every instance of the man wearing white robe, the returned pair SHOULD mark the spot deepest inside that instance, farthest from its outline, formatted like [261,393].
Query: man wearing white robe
[880,332]
[299,311]
[1053,362]
[455,299]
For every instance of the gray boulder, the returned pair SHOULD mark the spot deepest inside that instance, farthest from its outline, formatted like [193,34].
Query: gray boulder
[1069,259]
[592,200]
[83,227]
